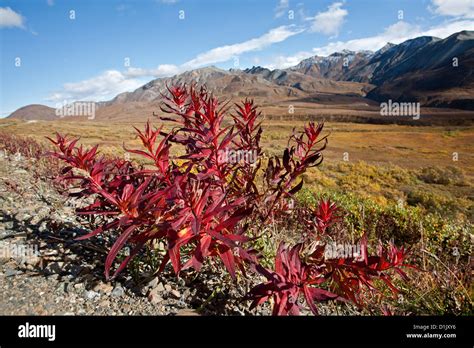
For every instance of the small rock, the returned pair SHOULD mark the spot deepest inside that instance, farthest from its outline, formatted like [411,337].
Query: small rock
[154,297]
[21,216]
[187,312]
[118,291]
[10,272]
[32,260]
[43,227]
[153,283]
[6,234]
[36,219]
[104,303]
[175,293]
[160,287]
[43,211]
[103,288]
[90,295]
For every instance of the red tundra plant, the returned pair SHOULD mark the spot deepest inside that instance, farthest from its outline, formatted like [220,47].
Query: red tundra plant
[348,275]
[304,151]
[24,146]
[204,206]
[306,271]
[291,279]
[193,200]
[30,154]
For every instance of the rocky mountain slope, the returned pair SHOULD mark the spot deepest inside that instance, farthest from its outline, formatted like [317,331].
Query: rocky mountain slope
[276,85]
[432,71]
[339,66]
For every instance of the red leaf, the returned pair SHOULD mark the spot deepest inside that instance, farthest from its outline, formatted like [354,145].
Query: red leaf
[227,258]
[119,243]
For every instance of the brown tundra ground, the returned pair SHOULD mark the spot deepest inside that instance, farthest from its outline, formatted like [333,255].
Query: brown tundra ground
[356,152]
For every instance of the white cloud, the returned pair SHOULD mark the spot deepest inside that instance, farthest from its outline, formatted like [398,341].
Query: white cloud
[329,22]
[112,82]
[224,53]
[454,8]
[444,31]
[11,19]
[99,88]
[50,2]
[281,8]
[396,33]
[283,62]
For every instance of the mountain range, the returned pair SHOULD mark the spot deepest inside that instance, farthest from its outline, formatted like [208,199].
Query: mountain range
[435,72]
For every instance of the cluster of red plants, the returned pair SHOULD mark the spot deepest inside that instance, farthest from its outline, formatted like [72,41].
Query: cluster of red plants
[304,271]
[24,146]
[205,207]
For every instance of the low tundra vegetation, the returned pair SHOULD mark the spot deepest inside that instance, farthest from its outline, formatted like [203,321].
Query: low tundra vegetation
[204,207]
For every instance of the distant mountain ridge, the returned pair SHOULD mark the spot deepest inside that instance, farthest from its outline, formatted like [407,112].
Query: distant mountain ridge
[222,82]
[35,112]
[337,66]
[435,72]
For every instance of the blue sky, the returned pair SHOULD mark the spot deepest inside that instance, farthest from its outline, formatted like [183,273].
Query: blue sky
[48,57]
